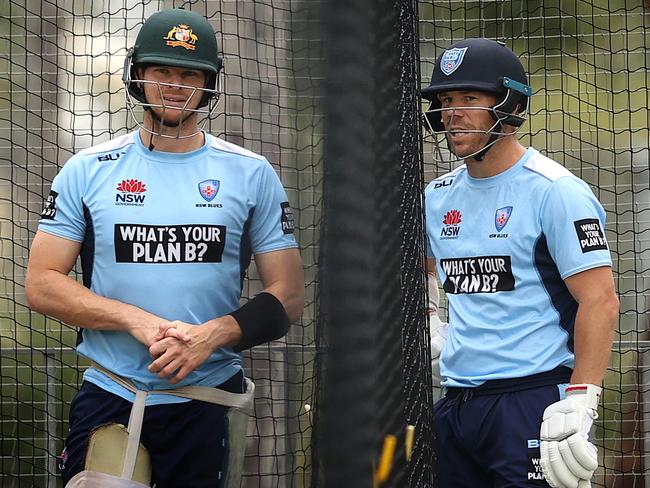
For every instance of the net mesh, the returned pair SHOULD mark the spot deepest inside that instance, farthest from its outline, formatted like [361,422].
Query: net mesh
[375,358]
[60,92]
[587,63]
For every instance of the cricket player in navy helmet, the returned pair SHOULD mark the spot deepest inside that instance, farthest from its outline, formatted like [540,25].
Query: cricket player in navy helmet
[518,243]
[165,221]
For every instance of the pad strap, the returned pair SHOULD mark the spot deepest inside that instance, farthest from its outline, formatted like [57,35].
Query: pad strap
[240,401]
[134,429]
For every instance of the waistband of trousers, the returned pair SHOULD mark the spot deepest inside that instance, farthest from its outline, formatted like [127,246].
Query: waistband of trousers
[559,375]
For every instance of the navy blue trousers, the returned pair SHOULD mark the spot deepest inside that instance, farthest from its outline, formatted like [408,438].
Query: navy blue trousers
[187,442]
[490,440]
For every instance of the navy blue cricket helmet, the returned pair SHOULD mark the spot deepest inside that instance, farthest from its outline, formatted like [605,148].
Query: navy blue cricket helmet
[485,65]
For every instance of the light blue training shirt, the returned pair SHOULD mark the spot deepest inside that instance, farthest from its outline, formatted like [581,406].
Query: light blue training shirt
[503,246]
[171,233]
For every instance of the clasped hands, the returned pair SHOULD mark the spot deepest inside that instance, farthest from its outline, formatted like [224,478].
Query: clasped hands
[179,348]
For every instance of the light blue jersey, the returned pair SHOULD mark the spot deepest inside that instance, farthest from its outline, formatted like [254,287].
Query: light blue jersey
[503,246]
[171,233]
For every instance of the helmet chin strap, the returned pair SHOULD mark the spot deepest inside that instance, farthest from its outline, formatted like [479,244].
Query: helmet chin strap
[490,143]
[161,122]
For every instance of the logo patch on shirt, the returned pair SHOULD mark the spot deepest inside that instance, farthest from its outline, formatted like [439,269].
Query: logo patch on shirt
[443,183]
[209,189]
[451,222]
[590,234]
[534,474]
[63,458]
[130,193]
[109,157]
[286,218]
[452,59]
[49,208]
[501,217]
[190,243]
[479,274]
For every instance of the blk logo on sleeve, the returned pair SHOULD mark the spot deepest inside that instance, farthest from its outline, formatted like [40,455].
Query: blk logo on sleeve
[49,209]
[590,234]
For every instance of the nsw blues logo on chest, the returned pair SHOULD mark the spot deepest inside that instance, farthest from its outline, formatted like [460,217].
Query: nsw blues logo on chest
[208,190]
[501,219]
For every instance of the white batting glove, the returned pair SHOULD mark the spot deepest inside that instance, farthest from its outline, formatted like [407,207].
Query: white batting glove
[568,458]
[438,331]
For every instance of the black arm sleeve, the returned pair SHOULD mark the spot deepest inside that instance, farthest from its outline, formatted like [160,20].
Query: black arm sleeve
[262,319]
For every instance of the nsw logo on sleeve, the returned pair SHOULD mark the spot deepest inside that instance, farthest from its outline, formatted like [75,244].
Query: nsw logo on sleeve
[478,274]
[590,235]
[49,208]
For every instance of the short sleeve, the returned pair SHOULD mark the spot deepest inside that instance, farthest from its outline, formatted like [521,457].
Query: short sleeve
[63,213]
[272,225]
[573,221]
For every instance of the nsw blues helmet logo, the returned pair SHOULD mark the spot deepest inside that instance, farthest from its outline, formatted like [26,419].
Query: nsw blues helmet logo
[209,189]
[452,59]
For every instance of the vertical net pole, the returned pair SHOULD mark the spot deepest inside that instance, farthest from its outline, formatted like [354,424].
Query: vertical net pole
[348,430]
[372,250]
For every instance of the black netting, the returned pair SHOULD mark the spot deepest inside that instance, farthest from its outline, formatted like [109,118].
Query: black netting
[61,91]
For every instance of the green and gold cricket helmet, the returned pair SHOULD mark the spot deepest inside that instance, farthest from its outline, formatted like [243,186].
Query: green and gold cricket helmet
[179,38]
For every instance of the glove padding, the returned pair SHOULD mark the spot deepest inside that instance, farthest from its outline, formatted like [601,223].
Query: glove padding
[568,459]
[438,331]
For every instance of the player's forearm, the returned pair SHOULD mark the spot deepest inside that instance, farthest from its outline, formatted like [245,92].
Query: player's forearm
[264,318]
[222,332]
[59,296]
[594,333]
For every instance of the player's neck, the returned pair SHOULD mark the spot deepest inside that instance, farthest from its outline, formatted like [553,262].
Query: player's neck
[172,144]
[501,156]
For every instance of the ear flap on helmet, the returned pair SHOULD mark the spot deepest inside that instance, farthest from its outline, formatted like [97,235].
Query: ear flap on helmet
[212,83]
[128,75]
[433,117]
[514,102]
